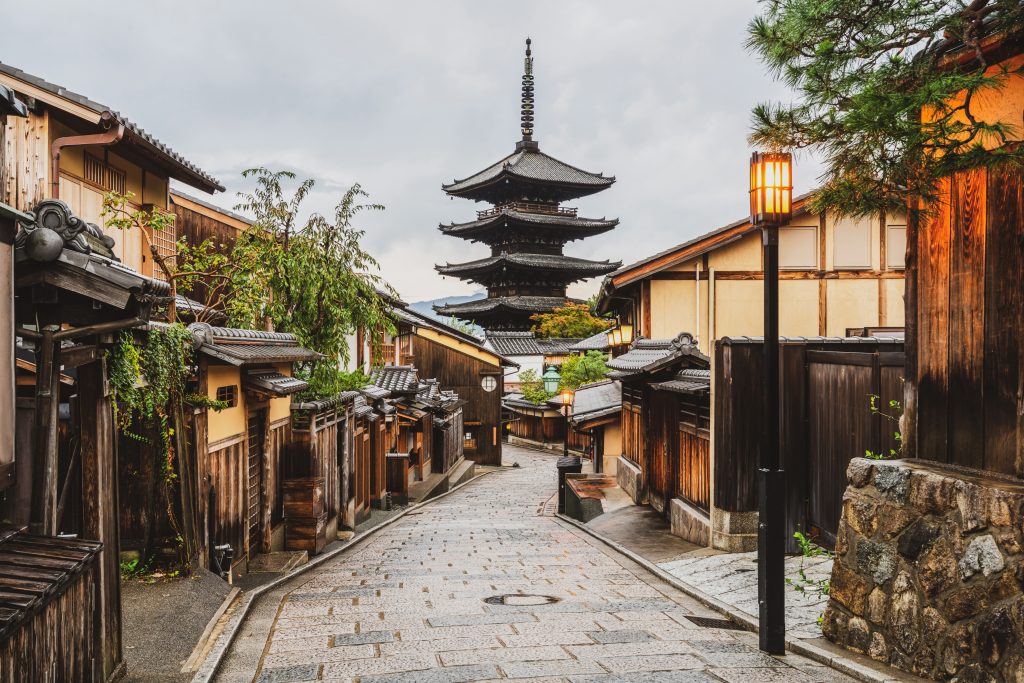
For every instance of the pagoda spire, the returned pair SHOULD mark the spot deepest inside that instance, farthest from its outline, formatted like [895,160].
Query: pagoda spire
[526,113]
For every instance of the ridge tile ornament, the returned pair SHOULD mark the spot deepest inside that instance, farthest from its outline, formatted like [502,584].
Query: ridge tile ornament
[526,229]
[55,228]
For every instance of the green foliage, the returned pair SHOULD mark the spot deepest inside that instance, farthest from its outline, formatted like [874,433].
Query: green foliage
[311,278]
[864,72]
[582,369]
[571,320]
[328,380]
[461,325]
[532,388]
[893,418]
[803,584]
[201,271]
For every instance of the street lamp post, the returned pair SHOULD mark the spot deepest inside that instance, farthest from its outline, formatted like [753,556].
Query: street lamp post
[567,399]
[771,198]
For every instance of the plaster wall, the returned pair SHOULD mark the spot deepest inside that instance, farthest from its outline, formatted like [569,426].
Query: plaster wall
[229,422]
[850,303]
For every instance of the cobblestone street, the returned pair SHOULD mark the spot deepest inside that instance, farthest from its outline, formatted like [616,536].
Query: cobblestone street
[423,601]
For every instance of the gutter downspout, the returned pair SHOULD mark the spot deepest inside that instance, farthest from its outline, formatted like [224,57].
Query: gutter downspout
[112,136]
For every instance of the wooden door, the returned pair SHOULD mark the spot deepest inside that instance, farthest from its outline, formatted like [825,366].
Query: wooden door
[361,475]
[254,464]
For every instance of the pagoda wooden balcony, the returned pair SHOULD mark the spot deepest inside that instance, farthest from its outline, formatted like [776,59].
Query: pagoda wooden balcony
[527,207]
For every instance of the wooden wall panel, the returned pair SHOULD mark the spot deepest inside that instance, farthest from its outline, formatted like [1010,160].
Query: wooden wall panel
[229,477]
[1004,324]
[967,317]
[933,333]
[461,373]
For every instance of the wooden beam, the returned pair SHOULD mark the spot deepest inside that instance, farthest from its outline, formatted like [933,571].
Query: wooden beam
[822,307]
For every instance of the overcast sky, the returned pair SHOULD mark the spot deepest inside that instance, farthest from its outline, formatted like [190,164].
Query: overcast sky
[402,96]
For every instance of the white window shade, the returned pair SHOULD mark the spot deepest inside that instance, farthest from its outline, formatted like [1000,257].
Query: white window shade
[798,247]
[895,247]
[851,244]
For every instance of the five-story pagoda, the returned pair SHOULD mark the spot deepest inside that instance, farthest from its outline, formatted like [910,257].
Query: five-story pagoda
[526,229]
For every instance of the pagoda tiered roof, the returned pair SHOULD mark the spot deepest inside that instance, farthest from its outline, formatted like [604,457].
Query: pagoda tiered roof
[503,222]
[529,174]
[567,268]
[526,229]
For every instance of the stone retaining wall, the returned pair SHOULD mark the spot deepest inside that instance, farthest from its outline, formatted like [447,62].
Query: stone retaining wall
[630,479]
[929,571]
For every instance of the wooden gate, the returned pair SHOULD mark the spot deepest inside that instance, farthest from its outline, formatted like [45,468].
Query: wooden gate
[841,425]
[254,463]
[361,475]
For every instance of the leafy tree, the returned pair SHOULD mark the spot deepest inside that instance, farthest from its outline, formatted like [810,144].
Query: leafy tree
[532,388]
[461,325]
[582,369]
[311,278]
[878,96]
[201,271]
[571,320]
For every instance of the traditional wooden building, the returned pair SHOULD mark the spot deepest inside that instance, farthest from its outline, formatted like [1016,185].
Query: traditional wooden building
[537,425]
[71,299]
[241,449]
[597,417]
[835,273]
[526,230]
[459,362]
[951,513]
[665,458]
[72,148]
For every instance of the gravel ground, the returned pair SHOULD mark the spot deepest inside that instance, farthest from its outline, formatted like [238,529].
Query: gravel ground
[163,621]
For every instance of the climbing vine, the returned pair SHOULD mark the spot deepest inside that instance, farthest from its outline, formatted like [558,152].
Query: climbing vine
[148,381]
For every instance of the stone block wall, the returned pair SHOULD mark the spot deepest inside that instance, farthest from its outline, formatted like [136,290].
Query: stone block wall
[630,479]
[929,571]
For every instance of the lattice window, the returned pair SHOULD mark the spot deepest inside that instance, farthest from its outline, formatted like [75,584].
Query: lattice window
[94,170]
[116,180]
[228,394]
[165,242]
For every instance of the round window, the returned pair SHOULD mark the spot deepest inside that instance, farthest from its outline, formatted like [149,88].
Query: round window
[489,383]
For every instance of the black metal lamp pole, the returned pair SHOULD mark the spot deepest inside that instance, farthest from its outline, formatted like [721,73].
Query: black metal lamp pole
[565,448]
[771,192]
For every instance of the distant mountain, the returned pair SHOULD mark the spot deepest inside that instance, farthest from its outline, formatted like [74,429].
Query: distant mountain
[427,308]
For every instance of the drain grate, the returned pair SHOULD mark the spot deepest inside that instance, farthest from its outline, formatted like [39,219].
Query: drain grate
[712,622]
[520,599]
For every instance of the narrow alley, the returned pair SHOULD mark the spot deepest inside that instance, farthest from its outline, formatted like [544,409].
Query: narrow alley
[487,584]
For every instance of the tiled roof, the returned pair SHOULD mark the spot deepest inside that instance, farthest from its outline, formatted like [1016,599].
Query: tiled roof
[343,398]
[396,378]
[597,342]
[646,355]
[416,319]
[273,382]
[182,169]
[687,381]
[374,392]
[557,346]
[540,304]
[597,400]
[514,343]
[516,402]
[530,164]
[10,105]
[249,347]
[573,225]
[553,262]
[212,207]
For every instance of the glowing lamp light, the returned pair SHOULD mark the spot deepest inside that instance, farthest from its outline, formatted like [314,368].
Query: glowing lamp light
[627,333]
[567,397]
[771,188]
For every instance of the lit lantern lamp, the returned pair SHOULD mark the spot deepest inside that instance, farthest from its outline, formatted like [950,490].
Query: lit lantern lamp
[567,398]
[626,331]
[771,206]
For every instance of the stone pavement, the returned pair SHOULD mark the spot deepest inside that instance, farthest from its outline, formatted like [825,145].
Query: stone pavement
[486,584]
[732,578]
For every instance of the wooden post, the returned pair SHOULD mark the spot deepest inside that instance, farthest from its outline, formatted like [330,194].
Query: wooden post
[99,510]
[908,423]
[47,416]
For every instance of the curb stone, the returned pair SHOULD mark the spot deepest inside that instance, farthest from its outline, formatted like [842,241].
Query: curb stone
[211,665]
[834,660]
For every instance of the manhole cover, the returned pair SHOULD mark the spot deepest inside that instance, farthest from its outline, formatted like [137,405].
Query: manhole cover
[520,599]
